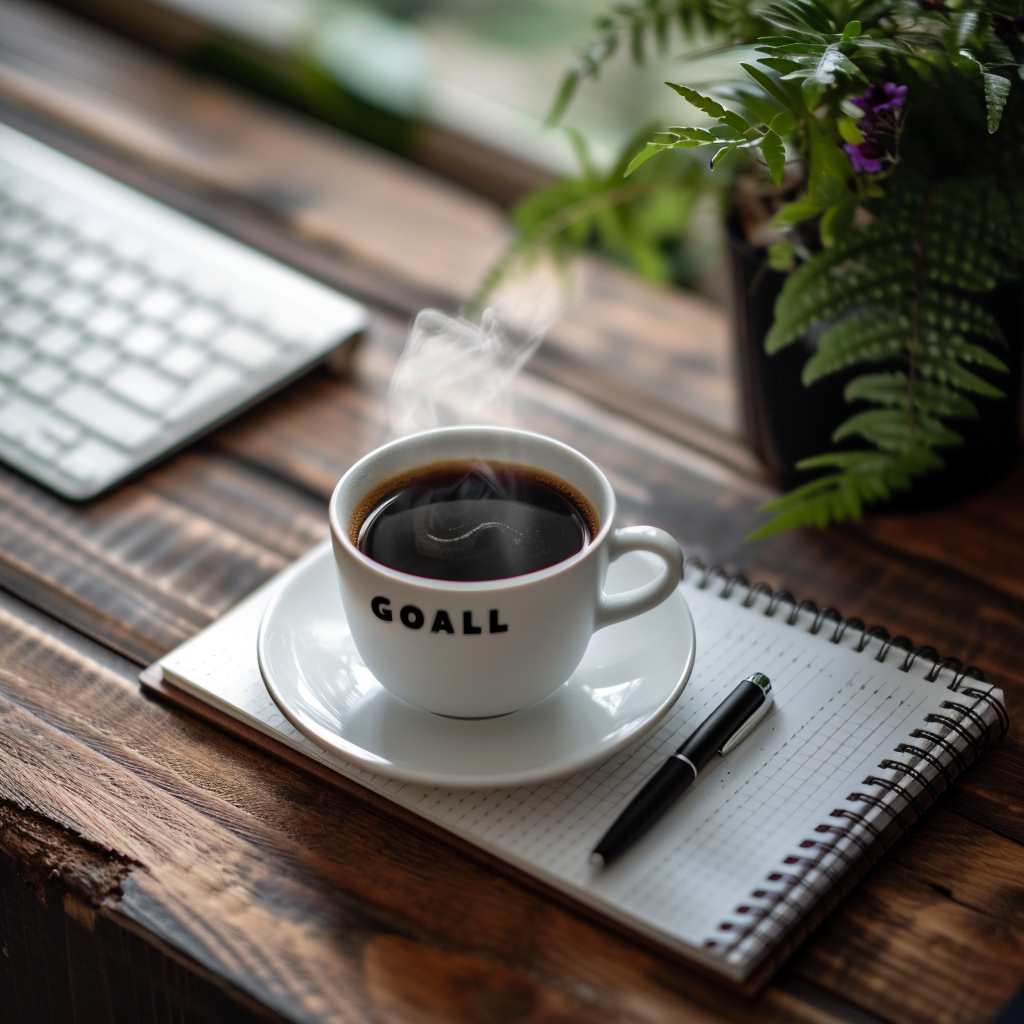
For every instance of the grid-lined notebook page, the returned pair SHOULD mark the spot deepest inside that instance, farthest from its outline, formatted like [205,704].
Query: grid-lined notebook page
[837,715]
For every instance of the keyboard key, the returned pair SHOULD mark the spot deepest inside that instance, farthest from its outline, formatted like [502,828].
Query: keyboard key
[94,460]
[46,448]
[16,228]
[10,264]
[96,361]
[73,304]
[21,418]
[23,321]
[59,428]
[44,380]
[198,323]
[146,341]
[59,339]
[123,286]
[54,247]
[183,361]
[245,347]
[143,387]
[217,381]
[107,416]
[39,284]
[161,303]
[108,322]
[12,358]
[87,268]
[17,418]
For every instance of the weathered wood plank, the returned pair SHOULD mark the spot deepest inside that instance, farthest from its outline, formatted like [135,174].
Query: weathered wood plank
[974,535]
[969,942]
[310,901]
[137,569]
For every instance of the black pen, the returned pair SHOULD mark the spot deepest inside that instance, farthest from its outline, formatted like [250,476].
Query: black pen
[728,725]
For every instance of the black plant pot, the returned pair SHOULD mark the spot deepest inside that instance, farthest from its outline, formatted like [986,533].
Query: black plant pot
[786,422]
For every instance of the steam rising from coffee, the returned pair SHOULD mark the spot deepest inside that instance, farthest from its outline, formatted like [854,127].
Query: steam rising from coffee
[455,371]
[478,520]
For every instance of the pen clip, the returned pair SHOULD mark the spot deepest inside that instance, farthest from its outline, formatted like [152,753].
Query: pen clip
[748,726]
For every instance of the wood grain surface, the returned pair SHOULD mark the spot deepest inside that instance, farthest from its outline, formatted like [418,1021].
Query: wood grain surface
[154,868]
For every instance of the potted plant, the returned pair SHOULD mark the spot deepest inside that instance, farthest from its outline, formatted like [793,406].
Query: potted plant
[875,155]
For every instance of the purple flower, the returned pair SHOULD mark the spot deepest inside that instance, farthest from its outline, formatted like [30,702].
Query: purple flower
[882,106]
[868,156]
[879,98]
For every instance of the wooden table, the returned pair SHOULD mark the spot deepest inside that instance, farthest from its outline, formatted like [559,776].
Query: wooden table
[154,868]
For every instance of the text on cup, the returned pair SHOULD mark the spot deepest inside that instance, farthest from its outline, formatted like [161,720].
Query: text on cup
[414,618]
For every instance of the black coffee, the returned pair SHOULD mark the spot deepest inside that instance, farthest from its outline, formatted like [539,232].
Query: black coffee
[473,521]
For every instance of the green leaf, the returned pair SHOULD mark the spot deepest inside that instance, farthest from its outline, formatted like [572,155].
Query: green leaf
[827,190]
[851,31]
[849,132]
[774,155]
[710,107]
[866,336]
[782,256]
[566,91]
[889,389]
[957,314]
[676,138]
[829,167]
[795,212]
[784,121]
[760,107]
[997,89]
[836,221]
[894,430]
[813,92]
[893,389]
[780,64]
[949,371]
[771,87]
[722,154]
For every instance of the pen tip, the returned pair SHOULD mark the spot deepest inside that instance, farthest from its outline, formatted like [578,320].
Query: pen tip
[597,860]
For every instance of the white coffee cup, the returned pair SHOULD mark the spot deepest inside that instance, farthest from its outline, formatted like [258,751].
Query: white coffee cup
[514,640]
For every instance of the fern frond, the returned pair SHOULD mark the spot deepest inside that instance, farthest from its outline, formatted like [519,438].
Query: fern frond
[645,26]
[892,430]
[947,311]
[892,389]
[878,287]
[864,477]
[867,336]
[901,293]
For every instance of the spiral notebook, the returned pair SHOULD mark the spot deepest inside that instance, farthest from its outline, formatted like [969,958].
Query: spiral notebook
[867,732]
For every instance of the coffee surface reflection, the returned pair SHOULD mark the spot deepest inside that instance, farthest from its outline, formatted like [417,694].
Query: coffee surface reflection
[473,521]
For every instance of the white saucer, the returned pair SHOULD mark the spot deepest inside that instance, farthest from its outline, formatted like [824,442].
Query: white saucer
[630,676]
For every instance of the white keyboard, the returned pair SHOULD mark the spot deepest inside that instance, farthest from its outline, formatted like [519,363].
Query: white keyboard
[127,328]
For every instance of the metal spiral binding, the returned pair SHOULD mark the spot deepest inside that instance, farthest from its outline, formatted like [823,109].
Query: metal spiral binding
[786,894]
[777,598]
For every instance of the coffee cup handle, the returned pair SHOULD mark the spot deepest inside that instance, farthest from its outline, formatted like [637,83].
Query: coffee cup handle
[616,607]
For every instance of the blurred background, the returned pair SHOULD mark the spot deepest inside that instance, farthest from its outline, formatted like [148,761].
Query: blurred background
[464,87]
